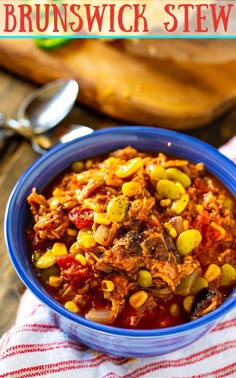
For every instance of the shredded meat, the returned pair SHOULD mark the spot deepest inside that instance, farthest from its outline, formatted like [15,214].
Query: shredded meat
[140,211]
[125,153]
[38,204]
[51,225]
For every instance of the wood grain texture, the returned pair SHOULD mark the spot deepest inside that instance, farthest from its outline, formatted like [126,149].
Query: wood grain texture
[138,90]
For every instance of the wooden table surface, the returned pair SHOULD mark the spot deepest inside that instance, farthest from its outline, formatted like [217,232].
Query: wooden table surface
[17,155]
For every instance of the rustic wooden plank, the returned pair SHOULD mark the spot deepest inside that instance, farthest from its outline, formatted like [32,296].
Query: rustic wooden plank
[144,91]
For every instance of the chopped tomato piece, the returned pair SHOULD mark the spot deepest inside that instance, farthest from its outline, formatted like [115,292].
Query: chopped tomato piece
[72,270]
[209,233]
[201,185]
[200,220]
[66,261]
[81,218]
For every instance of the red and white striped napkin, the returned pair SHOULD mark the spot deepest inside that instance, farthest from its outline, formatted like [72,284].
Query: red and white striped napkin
[229,149]
[36,347]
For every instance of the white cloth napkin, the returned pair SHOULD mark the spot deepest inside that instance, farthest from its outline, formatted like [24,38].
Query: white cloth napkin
[36,347]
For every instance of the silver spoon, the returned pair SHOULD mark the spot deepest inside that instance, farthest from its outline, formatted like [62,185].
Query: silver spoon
[43,143]
[43,109]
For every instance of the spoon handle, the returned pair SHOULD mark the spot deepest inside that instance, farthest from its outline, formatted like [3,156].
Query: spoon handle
[4,133]
[2,120]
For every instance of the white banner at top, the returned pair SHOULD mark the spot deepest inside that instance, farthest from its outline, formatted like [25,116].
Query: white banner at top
[118,18]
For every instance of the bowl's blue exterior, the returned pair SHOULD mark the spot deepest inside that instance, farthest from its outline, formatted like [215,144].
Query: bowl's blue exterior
[114,341]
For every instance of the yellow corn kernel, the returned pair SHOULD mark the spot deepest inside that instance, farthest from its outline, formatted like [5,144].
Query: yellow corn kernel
[213,271]
[138,299]
[199,284]
[88,164]
[85,237]
[59,249]
[117,207]
[131,188]
[77,166]
[71,306]
[174,309]
[220,229]
[81,259]
[88,241]
[165,202]
[199,208]
[57,192]
[54,203]
[98,180]
[228,203]
[111,160]
[102,218]
[72,232]
[185,224]
[107,285]
[128,168]
[46,260]
[188,302]
[55,281]
[83,177]
[171,229]
[74,248]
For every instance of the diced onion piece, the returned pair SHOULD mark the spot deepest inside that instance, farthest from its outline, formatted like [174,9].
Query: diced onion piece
[101,234]
[177,223]
[184,287]
[104,316]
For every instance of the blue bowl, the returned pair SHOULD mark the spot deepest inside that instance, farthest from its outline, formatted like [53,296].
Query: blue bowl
[113,341]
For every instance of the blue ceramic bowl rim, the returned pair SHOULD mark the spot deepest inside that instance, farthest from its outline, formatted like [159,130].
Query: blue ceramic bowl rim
[228,167]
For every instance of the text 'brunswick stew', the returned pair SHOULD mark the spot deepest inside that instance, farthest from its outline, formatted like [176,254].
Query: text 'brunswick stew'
[135,240]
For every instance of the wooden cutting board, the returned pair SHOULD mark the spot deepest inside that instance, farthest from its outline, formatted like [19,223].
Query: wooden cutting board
[137,90]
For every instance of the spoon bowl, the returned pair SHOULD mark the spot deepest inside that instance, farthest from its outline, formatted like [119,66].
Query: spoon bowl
[43,109]
[40,112]
[48,105]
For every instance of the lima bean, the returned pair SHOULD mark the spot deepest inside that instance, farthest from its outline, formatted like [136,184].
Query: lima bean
[187,241]
[128,168]
[117,207]
[144,278]
[169,189]
[180,204]
[228,275]
[199,284]
[158,173]
[176,174]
